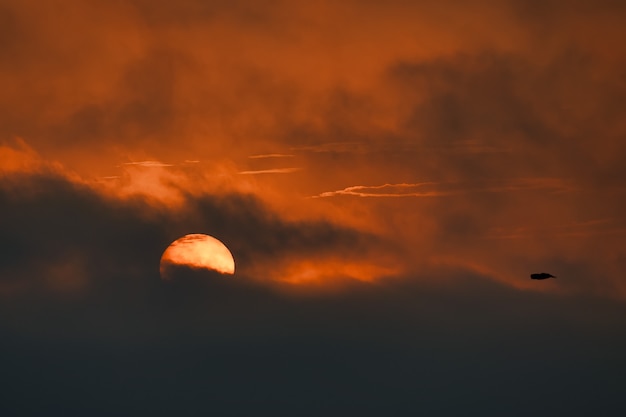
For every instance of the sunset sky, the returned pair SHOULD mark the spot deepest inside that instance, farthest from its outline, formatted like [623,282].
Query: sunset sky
[386,175]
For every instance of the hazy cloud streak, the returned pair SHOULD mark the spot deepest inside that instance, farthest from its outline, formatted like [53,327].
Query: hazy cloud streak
[271,155]
[149,164]
[448,189]
[271,171]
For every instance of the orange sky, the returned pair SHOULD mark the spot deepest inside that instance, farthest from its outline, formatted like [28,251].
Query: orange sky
[486,136]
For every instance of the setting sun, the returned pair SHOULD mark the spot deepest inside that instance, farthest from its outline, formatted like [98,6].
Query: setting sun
[198,251]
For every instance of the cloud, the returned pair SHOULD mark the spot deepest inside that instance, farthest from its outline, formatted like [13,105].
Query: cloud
[482,110]
[149,164]
[17,156]
[171,345]
[401,190]
[55,222]
[271,171]
[434,189]
[271,155]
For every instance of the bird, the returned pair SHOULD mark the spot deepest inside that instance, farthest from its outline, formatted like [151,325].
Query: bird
[542,275]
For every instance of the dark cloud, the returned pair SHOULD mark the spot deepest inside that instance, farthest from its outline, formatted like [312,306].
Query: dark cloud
[437,342]
[399,347]
[534,111]
[250,229]
[51,220]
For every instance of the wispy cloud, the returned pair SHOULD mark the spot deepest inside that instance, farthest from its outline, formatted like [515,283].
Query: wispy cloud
[148,164]
[271,171]
[385,190]
[271,155]
[441,189]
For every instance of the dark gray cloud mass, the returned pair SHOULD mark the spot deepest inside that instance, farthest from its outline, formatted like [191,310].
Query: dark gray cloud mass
[128,344]
[52,221]
[483,349]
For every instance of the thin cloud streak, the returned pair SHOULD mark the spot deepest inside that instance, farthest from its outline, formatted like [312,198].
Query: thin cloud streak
[271,155]
[357,190]
[149,164]
[407,189]
[271,171]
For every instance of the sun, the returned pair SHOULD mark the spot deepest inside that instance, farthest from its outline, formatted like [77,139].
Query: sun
[198,251]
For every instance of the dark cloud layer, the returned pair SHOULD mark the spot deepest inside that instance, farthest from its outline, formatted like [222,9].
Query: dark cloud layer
[398,348]
[51,221]
[130,344]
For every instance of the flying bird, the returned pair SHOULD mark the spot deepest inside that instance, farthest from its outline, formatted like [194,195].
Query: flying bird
[542,275]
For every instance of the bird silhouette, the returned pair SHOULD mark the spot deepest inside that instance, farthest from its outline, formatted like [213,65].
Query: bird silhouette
[542,275]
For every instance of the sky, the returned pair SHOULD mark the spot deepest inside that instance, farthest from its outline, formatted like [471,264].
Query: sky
[386,175]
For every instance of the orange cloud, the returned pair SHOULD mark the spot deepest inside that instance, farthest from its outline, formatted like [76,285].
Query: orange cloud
[507,113]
